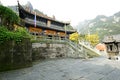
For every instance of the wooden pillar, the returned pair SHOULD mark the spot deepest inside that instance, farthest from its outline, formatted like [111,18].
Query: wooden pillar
[48,23]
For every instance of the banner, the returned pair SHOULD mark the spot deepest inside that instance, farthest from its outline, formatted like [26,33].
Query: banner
[35,20]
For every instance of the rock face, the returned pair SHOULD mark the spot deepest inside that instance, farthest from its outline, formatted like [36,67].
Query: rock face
[15,55]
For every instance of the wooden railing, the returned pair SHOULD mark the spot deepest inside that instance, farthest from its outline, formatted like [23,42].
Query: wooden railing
[48,39]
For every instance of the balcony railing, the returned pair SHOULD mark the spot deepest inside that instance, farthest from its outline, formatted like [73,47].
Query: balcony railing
[57,27]
[39,23]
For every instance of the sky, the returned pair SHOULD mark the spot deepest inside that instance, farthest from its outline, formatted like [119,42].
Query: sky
[74,11]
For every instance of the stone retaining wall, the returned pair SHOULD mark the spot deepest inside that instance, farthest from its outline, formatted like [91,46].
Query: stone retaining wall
[47,50]
[13,56]
[53,50]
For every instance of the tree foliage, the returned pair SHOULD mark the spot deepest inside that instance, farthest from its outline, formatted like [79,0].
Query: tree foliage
[18,35]
[8,17]
[92,38]
[74,37]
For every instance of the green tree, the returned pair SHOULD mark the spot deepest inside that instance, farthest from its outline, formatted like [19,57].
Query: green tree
[8,17]
[74,37]
[92,38]
[17,35]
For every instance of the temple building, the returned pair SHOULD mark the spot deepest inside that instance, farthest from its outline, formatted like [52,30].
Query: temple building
[42,25]
[113,45]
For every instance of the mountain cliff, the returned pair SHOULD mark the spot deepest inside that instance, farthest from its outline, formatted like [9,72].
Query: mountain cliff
[102,25]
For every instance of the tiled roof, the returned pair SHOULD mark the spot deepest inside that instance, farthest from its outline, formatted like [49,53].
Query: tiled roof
[43,15]
[112,38]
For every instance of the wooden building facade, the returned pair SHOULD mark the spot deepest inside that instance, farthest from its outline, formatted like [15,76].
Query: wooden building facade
[113,45]
[40,24]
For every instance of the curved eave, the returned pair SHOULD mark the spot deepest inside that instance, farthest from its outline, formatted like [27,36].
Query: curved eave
[70,32]
[109,41]
[106,42]
[42,16]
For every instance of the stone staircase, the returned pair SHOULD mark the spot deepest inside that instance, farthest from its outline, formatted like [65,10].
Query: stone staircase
[80,50]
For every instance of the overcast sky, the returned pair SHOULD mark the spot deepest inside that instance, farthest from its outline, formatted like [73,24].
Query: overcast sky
[72,10]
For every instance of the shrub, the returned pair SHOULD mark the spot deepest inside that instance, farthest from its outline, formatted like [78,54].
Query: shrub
[18,35]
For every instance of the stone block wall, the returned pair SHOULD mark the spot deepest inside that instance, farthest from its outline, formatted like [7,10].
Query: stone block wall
[15,55]
[53,50]
[48,50]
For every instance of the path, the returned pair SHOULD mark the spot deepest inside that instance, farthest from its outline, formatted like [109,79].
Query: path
[68,69]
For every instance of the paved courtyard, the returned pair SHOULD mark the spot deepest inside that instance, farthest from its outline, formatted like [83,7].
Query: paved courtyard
[67,69]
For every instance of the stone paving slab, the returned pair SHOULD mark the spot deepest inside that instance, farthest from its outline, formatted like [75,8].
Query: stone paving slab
[67,69]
